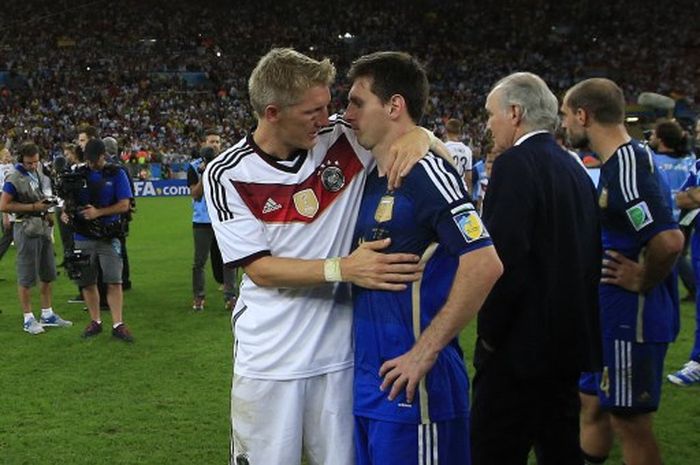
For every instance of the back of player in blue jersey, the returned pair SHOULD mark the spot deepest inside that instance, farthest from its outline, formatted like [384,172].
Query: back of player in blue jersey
[638,292]
[411,387]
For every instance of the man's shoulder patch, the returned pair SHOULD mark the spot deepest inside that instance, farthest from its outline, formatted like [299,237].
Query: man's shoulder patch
[639,215]
[470,225]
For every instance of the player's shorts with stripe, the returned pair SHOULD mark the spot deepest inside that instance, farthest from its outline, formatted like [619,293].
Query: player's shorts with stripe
[631,378]
[379,442]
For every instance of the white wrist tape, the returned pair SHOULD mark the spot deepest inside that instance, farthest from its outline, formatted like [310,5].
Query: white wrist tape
[331,270]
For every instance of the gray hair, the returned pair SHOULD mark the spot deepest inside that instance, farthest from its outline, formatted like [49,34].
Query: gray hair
[539,106]
[111,146]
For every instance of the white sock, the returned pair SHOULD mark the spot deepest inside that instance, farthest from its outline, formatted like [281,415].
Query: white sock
[114,326]
[28,316]
[99,322]
[46,312]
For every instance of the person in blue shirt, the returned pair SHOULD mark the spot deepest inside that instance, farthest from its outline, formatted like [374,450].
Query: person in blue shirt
[411,386]
[204,241]
[689,199]
[26,194]
[671,155]
[638,292]
[98,224]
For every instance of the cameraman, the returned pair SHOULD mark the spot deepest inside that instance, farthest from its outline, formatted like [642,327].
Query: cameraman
[98,226]
[25,194]
[204,240]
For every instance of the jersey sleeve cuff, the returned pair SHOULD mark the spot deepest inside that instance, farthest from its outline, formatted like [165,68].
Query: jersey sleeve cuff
[245,261]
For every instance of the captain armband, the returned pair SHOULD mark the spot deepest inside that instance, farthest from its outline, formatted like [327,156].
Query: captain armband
[331,270]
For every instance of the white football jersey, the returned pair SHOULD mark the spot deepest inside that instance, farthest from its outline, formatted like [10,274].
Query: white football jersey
[462,156]
[305,207]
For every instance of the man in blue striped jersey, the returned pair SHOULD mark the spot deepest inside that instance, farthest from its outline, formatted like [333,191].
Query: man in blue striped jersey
[638,292]
[411,400]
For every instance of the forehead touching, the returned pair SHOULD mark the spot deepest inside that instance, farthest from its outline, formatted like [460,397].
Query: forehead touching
[314,97]
[361,88]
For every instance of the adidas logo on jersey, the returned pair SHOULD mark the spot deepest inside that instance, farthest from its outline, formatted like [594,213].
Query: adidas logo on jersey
[270,206]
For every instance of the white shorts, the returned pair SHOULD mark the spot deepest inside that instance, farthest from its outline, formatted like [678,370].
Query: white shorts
[273,420]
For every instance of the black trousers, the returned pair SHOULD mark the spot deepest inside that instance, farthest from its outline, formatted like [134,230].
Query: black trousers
[510,416]
[6,239]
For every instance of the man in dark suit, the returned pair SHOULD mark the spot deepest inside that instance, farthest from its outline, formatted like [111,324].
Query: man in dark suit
[539,327]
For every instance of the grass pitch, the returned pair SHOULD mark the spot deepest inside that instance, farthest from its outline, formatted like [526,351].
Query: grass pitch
[165,398]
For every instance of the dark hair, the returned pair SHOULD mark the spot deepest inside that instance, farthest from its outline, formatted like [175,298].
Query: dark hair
[90,131]
[601,98]
[672,135]
[27,149]
[394,73]
[210,132]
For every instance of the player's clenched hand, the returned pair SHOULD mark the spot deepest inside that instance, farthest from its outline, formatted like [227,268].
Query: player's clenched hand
[622,271]
[405,152]
[405,372]
[368,267]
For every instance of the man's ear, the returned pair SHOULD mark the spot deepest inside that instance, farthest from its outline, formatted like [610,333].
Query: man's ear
[516,114]
[272,113]
[397,106]
[582,117]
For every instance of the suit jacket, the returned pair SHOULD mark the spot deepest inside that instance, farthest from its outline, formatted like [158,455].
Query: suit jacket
[541,211]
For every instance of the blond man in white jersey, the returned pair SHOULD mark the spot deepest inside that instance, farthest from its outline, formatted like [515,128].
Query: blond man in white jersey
[283,203]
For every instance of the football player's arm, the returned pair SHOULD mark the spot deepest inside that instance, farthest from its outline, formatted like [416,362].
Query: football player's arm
[659,258]
[476,274]
[366,267]
[410,148]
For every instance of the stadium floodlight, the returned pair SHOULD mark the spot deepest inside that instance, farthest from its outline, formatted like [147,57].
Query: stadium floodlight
[632,119]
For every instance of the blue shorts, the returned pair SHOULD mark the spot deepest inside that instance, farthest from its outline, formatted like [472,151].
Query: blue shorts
[631,379]
[379,442]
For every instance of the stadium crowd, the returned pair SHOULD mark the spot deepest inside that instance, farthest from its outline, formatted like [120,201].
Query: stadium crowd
[125,70]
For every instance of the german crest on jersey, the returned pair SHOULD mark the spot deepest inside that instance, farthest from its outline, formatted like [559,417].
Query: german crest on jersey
[306,203]
[385,209]
[332,178]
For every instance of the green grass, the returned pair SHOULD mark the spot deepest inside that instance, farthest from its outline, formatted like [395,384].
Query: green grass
[165,398]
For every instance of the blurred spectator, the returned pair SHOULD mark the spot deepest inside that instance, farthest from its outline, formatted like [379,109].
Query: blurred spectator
[53,78]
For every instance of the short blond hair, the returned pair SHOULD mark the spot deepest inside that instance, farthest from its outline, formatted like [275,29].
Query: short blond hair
[283,75]
[5,155]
